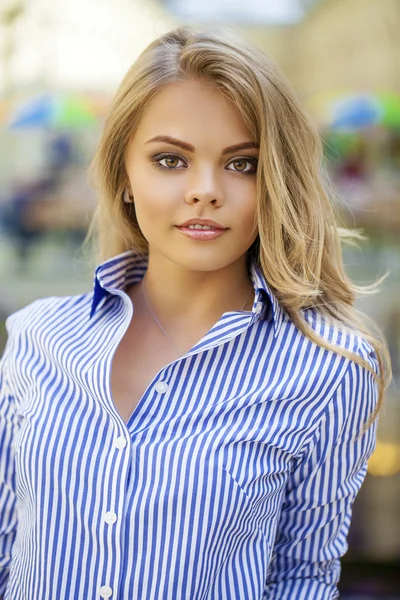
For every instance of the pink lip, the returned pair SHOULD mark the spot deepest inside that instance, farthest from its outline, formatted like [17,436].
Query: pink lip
[202,235]
[200,221]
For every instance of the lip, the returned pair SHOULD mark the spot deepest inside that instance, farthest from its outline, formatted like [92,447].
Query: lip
[201,234]
[198,221]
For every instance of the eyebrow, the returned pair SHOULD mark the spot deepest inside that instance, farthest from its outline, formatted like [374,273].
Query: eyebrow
[185,146]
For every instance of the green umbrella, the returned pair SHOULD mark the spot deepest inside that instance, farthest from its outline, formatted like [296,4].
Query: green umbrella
[389,104]
[51,110]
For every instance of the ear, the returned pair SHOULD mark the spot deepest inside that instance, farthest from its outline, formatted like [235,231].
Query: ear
[127,197]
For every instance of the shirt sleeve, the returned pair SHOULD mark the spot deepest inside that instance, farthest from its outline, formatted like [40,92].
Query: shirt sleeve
[8,429]
[317,507]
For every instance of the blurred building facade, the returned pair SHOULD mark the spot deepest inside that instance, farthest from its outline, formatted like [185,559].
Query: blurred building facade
[340,46]
[74,45]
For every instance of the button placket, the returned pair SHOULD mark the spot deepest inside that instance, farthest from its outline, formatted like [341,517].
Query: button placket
[111,518]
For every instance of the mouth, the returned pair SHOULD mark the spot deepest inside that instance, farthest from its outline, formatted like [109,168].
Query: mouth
[201,234]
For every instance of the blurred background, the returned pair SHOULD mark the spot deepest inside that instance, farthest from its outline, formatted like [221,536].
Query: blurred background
[61,62]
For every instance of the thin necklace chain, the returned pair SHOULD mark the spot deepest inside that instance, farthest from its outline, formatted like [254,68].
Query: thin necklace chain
[162,328]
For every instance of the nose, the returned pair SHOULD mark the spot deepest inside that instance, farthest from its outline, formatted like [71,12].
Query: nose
[204,188]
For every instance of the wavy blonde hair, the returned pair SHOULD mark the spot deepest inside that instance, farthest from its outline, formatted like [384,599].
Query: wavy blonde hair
[298,247]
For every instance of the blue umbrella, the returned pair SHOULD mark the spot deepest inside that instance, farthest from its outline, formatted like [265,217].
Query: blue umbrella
[357,112]
[54,110]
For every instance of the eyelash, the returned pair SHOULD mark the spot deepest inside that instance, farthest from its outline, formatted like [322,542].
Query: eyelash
[249,159]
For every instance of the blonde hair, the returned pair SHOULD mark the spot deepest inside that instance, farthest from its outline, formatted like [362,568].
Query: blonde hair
[298,246]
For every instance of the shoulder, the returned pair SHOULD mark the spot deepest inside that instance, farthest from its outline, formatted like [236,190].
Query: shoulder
[40,333]
[340,356]
[46,311]
[331,331]
[356,383]
[340,336]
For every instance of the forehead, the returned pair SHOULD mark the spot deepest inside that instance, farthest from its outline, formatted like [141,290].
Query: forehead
[192,109]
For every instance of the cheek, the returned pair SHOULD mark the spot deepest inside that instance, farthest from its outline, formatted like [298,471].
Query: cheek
[152,194]
[247,214]
[155,206]
[243,194]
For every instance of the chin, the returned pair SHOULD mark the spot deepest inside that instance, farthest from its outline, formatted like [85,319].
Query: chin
[197,260]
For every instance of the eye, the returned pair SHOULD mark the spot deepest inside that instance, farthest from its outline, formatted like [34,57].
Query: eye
[168,161]
[244,165]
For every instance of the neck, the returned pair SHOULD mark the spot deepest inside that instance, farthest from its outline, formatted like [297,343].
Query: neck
[180,296]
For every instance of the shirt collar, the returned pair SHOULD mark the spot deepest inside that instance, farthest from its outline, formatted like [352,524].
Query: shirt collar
[129,268]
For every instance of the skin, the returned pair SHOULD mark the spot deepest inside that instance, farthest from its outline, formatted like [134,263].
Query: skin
[189,281]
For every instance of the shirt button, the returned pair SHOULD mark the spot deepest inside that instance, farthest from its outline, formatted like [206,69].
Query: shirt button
[259,307]
[110,517]
[120,442]
[161,387]
[105,591]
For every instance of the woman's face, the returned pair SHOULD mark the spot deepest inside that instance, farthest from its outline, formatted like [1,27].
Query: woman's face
[192,156]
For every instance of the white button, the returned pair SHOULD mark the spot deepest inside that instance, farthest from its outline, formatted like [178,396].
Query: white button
[110,517]
[120,442]
[259,307]
[161,387]
[105,591]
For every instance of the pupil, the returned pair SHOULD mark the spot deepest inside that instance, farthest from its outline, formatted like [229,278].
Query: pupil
[239,163]
[171,162]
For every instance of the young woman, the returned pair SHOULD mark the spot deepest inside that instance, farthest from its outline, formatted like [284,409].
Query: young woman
[199,424]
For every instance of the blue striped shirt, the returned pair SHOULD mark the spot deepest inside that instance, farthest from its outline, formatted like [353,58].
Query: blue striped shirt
[233,478]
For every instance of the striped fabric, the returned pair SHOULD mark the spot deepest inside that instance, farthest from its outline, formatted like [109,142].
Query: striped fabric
[233,479]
